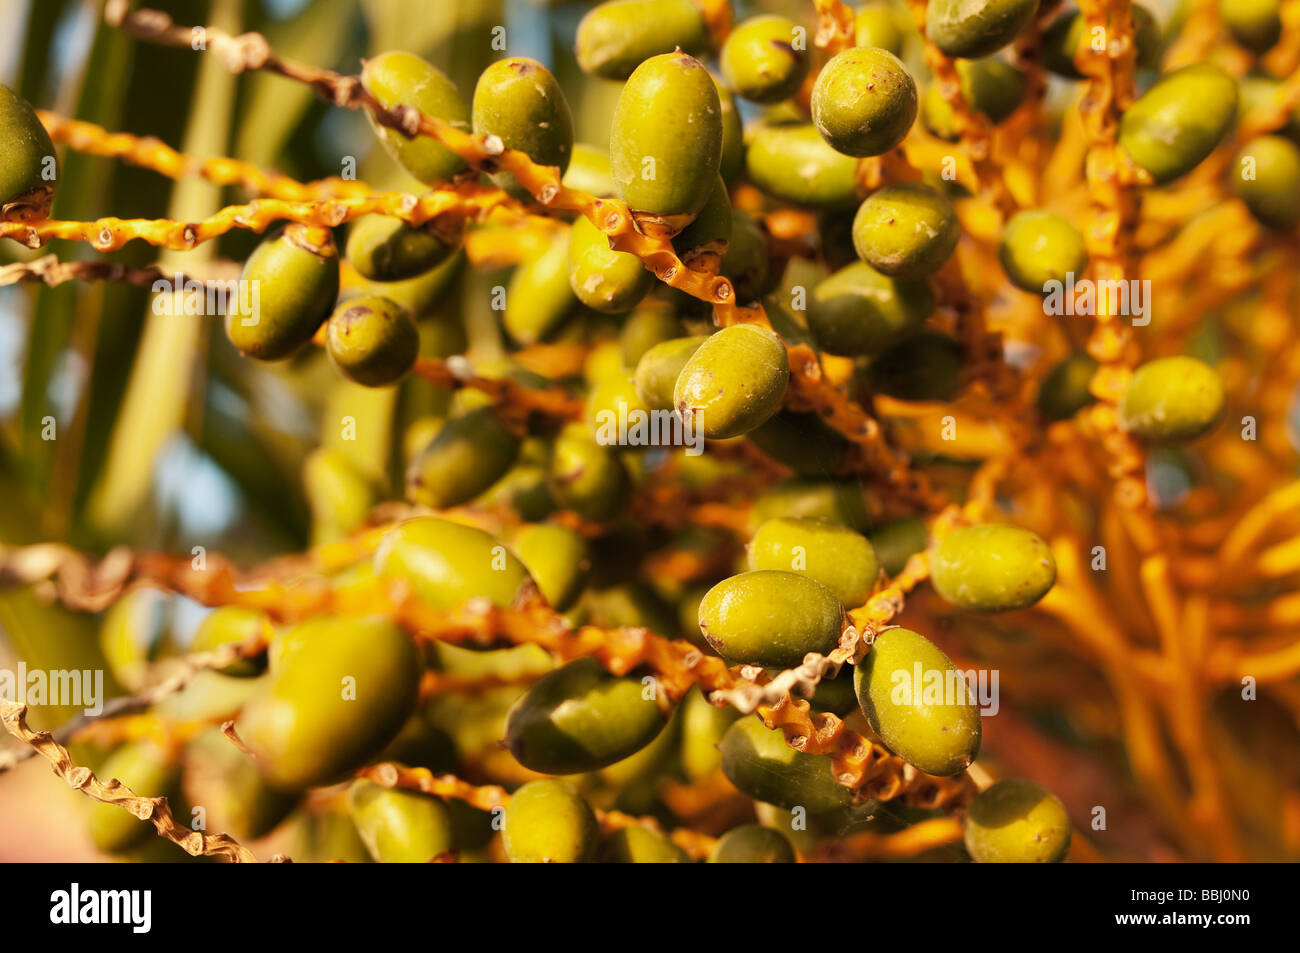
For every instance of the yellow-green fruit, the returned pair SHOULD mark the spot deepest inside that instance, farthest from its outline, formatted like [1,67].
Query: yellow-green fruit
[989,86]
[840,502]
[1172,399]
[581,718]
[733,135]
[589,171]
[224,781]
[1038,246]
[658,370]
[1017,822]
[926,366]
[470,453]
[636,844]
[757,760]
[642,330]
[399,826]
[447,563]
[992,568]
[906,231]
[1266,176]
[148,772]
[340,496]
[615,37]
[613,400]
[803,442]
[295,280]
[876,26]
[236,625]
[765,59]
[556,557]
[605,280]
[840,559]
[745,262]
[896,542]
[864,101]
[752,844]
[771,617]
[1064,391]
[134,633]
[702,244]
[519,101]
[422,295]
[665,143]
[918,703]
[31,169]
[539,297]
[1069,32]
[586,476]
[858,311]
[1180,120]
[339,691]
[548,822]
[793,163]
[975,28]
[1254,24]
[398,77]
[703,726]
[372,340]
[386,249]
[733,382]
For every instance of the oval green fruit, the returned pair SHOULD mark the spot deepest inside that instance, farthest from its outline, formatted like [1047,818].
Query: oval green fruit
[1065,390]
[1038,246]
[898,541]
[906,231]
[918,703]
[733,382]
[752,844]
[586,476]
[703,726]
[974,28]
[31,170]
[1266,176]
[837,557]
[733,135]
[616,37]
[665,143]
[148,772]
[399,826]
[764,59]
[636,844]
[556,557]
[398,77]
[864,101]
[447,563]
[227,784]
[803,442]
[703,244]
[232,624]
[771,618]
[793,163]
[760,764]
[382,248]
[605,280]
[1254,24]
[1180,120]
[992,568]
[846,502]
[1172,399]
[340,496]
[643,329]
[858,311]
[1067,33]
[1016,821]
[295,280]
[539,298]
[876,25]
[469,454]
[548,822]
[658,369]
[519,101]
[372,340]
[581,718]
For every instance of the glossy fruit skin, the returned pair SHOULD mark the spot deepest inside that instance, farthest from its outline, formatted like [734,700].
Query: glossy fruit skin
[733,382]
[227,624]
[470,453]
[759,60]
[858,311]
[398,77]
[607,401]
[636,844]
[385,249]
[770,617]
[372,340]
[703,726]
[733,135]
[399,826]
[803,442]
[589,170]
[548,822]
[760,764]
[615,37]
[1179,121]
[973,29]
[940,737]
[896,542]
[845,502]
[447,563]
[1173,399]
[793,163]
[992,568]
[25,192]
[581,718]
[587,477]
[605,280]
[837,557]
[906,231]
[1065,34]
[926,366]
[875,26]
[519,101]
[1038,246]
[1064,391]
[864,101]
[1254,24]
[339,691]
[539,298]
[146,770]
[752,844]
[702,244]
[225,781]
[297,281]
[1016,821]
[1273,195]
[658,369]
[556,557]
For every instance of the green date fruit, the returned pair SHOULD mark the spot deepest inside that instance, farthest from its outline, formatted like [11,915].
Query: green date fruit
[992,568]
[752,844]
[1016,821]
[906,231]
[760,764]
[548,822]
[793,163]
[1180,120]
[605,280]
[864,102]
[771,617]
[616,37]
[148,772]
[1172,399]
[519,101]
[469,454]
[556,557]
[295,279]
[384,249]
[1038,246]
[447,563]
[399,826]
[1266,176]
[974,28]
[372,340]
[398,77]
[837,557]
[858,311]
[733,382]
[30,171]
[762,61]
